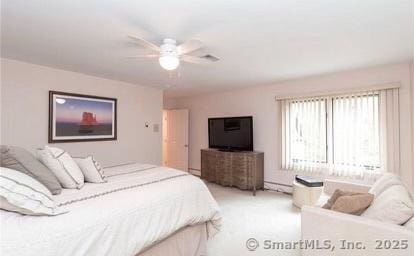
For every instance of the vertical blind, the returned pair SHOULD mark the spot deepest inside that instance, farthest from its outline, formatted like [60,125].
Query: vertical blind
[344,135]
[356,134]
[306,133]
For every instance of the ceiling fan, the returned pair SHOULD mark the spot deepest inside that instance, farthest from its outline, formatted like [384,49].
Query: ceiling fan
[170,54]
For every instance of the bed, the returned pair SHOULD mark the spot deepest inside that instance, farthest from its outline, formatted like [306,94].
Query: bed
[141,210]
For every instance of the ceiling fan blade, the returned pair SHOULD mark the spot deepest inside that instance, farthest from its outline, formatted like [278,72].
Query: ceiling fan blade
[189,46]
[199,59]
[210,57]
[145,43]
[144,56]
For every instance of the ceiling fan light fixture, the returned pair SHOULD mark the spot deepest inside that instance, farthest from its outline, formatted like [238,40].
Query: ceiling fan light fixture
[170,54]
[169,62]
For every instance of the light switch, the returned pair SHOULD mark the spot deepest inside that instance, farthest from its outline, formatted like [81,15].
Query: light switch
[156,128]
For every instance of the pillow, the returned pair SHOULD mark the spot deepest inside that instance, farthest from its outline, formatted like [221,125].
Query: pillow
[91,169]
[394,205]
[21,160]
[349,202]
[353,204]
[385,181]
[23,194]
[336,194]
[63,166]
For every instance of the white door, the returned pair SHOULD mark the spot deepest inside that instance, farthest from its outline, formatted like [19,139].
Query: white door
[176,139]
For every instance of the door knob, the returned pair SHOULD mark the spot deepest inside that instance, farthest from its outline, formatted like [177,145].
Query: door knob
[185,145]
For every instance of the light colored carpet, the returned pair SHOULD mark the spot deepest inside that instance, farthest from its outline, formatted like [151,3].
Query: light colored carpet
[267,216]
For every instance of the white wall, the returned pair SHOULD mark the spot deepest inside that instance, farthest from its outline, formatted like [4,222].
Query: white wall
[260,103]
[24,112]
[412,110]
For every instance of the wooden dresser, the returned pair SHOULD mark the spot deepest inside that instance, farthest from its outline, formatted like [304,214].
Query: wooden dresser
[242,169]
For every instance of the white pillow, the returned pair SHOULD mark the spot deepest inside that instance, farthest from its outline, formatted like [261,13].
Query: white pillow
[23,194]
[63,166]
[394,205]
[385,181]
[91,169]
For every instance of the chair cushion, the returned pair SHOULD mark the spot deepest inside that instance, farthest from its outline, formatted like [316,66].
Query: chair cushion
[21,160]
[385,181]
[393,205]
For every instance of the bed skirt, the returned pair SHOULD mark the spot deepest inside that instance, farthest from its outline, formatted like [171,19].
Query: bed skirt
[189,241]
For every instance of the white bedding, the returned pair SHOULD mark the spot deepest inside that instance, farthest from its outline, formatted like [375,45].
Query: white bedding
[138,206]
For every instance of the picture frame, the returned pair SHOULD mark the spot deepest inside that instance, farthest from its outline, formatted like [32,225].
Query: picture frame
[81,118]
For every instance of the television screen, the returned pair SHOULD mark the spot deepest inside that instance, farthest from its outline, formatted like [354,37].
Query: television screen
[231,133]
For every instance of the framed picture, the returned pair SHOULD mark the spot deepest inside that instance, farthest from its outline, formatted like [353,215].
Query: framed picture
[76,117]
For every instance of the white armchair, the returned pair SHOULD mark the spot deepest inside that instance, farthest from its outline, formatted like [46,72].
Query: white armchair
[326,225]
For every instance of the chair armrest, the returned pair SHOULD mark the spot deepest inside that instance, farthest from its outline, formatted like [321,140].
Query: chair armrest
[321,224]
[331,185]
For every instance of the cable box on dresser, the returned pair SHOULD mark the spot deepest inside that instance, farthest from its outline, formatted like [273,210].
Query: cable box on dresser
[241,169]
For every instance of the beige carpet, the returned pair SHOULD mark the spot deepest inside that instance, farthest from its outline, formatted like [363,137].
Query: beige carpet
[267,216]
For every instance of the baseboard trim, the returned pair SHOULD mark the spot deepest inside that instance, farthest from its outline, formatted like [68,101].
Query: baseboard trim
[270,185]
[196,172]
[279,187]
[278,184]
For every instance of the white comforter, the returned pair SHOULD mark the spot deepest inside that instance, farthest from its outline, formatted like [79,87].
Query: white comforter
[138,206]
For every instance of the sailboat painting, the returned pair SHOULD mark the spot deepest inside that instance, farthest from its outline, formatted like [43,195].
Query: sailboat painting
[76,117]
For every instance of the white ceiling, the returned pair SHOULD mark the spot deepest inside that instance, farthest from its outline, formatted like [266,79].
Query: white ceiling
[258,41]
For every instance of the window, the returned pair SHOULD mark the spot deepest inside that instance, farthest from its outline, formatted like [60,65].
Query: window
[340,134]
[355,132]
[308,146]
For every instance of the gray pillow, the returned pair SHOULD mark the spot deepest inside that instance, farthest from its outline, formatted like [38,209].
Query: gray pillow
[23,161]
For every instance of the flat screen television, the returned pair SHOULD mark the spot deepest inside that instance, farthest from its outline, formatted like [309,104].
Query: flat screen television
[231,133]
